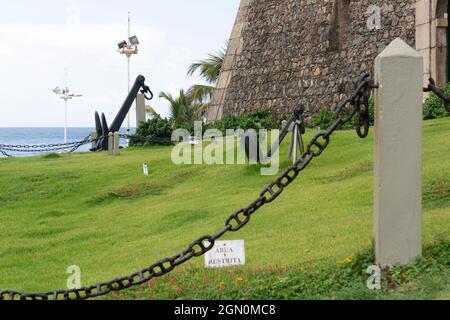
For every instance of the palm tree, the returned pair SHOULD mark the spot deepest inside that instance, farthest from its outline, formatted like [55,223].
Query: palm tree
[190,106]
[183,109]
[209,69]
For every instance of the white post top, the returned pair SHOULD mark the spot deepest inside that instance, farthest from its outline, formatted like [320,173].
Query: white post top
[399,48]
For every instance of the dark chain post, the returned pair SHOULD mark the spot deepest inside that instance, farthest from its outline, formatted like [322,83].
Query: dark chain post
[432,87]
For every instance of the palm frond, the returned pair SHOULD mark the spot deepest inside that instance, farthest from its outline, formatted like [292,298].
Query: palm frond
[200,93]
[210,67]
[167,96]
[150,111]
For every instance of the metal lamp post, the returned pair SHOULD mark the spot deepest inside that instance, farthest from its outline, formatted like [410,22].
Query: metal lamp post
[66,96]
[128,48]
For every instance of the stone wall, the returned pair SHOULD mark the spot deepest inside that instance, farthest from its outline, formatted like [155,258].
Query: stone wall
[288,52]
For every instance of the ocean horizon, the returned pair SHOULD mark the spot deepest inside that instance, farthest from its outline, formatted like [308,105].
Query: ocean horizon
[45,135]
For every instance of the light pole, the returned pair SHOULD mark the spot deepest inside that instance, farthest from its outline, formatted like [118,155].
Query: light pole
[66,96]
[128,48]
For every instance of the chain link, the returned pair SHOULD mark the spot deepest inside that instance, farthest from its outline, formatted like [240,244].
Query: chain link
[47,148]
[73,146]
[356,104]
[44,148]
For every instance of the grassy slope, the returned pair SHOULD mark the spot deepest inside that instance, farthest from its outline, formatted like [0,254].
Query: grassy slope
[99,212]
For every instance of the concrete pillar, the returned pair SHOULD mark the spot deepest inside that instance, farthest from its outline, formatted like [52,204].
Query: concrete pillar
[398,155]
[116,151]
[140,109]
[110,144]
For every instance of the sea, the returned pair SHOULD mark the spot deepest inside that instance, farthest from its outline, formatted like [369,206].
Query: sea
[42,136]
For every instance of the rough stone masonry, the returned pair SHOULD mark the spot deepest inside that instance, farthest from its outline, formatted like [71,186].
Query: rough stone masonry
[288,52]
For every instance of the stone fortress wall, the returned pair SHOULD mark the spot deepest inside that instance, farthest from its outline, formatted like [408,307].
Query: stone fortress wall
[310,52]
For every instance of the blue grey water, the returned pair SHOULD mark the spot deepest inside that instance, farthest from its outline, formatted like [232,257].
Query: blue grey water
[40,136]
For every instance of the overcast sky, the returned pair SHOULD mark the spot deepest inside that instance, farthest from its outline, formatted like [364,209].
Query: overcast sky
[39,39]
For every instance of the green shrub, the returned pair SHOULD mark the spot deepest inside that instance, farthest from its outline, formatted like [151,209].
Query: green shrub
[155,131]
[229,122]
[433,106]
[190,126]
[325,119]
[256,120]
[260,119]
[283,117]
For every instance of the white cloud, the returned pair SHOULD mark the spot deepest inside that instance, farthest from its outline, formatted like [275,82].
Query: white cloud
[33,59]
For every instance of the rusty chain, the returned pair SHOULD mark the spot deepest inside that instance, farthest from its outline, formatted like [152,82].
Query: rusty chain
[356,105]
[72,146]
[44,148]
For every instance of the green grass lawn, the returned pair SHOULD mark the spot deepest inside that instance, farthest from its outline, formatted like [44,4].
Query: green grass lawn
[100,213]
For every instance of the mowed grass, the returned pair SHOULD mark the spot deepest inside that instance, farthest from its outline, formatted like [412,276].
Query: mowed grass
[102,214]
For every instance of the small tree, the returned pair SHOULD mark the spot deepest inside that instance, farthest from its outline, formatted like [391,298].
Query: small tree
[183,109]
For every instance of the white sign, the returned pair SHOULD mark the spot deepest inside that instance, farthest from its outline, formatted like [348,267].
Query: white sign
[226,254]
[145,168]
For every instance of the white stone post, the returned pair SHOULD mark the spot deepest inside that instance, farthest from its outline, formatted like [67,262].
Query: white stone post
[110,144]
[116,151]
[398,155]
[140,109]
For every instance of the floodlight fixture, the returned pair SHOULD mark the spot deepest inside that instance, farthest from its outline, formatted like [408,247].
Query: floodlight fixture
[122,45]
[133,40]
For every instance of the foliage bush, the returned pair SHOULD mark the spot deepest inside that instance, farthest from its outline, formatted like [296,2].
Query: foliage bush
[190,127]
[229,122]
[433,106]
[260,119]
[256,120]
[155,131]
[325,118]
